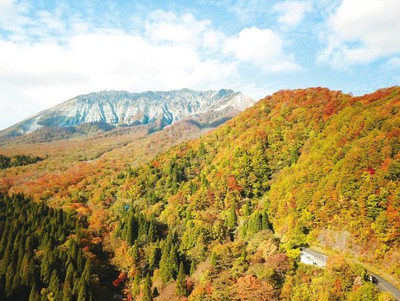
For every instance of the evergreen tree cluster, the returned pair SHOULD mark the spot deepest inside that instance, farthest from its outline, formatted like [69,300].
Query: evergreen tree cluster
[18,160]
[152,248]
[256,222]
[136,226]
[155,182]
[39,257]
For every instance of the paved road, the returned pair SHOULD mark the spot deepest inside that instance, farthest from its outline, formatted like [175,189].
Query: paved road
[310,256]
[385,286]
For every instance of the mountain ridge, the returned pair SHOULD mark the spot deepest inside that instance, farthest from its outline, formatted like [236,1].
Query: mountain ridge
[122,108]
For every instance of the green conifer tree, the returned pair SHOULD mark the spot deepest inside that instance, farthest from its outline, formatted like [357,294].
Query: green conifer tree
[80,262]
[154,257]
[135,253]
[34,295]
[9,280]
[246,209]
[147,293]
[192,267]
[131,232]
[166,268]
[67,292]
[181,288]
[213,259]
[24,272]
[232,219]
[83,295]
[54,286]
[173,260]
[136,284]
[152,231]
[45,270]
[265,221]
[69,276]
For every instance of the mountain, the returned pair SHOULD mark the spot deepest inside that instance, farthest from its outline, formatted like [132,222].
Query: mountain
[223,216]
[109,109]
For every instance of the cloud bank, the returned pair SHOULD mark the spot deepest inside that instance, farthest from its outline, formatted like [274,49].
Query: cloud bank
[50,56]
[362,31]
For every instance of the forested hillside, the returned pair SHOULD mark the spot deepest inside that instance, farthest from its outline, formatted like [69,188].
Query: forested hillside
[223,217]
[344,190]
[303,167]
[17,160]
[40,252]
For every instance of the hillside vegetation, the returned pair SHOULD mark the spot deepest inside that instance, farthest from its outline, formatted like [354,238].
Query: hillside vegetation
[40,254]
[223,217]
[304,167]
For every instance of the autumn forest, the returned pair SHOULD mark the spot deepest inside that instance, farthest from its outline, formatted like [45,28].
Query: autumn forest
[194,213]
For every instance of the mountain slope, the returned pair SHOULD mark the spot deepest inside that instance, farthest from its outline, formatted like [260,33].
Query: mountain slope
[232,208]
[120,108]
[324,165]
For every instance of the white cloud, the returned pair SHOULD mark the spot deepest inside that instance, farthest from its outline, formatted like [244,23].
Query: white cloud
[292,12]
[394,62]
[43,73]
[247,10]
[99,61]
[362,31]
[261,47]
[49,57]
[168,28]
[162,27]
[12,15]
[5,7]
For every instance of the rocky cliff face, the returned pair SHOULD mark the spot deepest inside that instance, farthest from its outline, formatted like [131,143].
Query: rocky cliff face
[121,108]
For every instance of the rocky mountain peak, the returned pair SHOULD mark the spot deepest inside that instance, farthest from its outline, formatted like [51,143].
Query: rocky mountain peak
[122,108]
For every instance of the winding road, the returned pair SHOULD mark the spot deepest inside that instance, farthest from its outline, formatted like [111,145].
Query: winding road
[310,256]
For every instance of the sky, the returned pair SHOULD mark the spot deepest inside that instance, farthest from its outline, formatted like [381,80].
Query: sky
[51,51]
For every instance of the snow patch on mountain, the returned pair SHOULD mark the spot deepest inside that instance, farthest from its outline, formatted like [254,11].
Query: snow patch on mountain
[121,108]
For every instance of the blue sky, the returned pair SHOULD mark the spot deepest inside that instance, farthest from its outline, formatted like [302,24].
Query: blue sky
[51,51]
